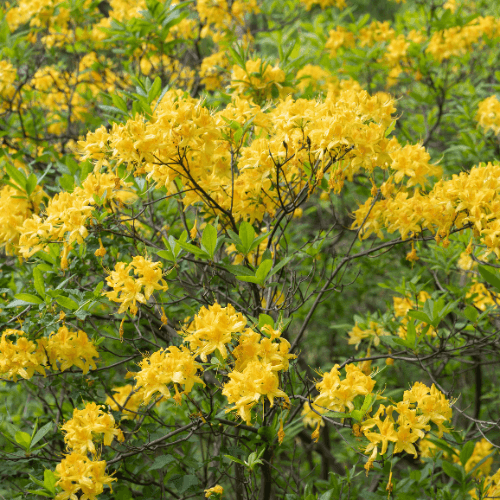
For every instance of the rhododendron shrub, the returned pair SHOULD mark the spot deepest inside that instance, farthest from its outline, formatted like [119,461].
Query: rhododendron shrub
[236,266]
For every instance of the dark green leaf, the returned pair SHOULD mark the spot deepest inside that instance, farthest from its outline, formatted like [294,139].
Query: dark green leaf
[490,277]
[466,452]
[453,471]
[41,433]
[161,461]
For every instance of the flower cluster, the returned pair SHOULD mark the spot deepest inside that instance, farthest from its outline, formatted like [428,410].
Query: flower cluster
[488,114]
[255,374]
[71,349]
[467,199]
[126,399]
[340,4]
[212,328]
[458,40]
[22,357]
[128,290]
[14,210]
[77,471]
[67,215]
[186,142]
[81,430]
[336,394]
[168,366]
[420,407]
[257,79]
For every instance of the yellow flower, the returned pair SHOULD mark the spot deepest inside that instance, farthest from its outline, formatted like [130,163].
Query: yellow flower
[81,429]
[212,329]
[77,472]
[215,490]
[170,366]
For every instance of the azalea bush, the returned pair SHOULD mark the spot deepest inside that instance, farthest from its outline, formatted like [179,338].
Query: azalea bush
[235,266]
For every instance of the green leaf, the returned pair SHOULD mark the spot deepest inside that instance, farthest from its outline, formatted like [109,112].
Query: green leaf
[420,316]
[257,241]
[39,285]
[119,103]
[67,302]
[16,175]
[67,182]
[357,415]
[327,495]
[234,237]
[40,492]
[49,480]
[166,254]
[161,461]
[390,128]
[28,297]
[489,277]
[444,446]
[247,235]
[238,270]
[31,184]
[193,249]
[98,288]
[41,433]
[209,240]
[234,459]
[250,279]
[155,90]
[466,452]
[367,403]
[471,313]
[23,439]
[453,471]
[113,109]
[263,270]
[265,319]
[411,335]
[280,264]
[184,482]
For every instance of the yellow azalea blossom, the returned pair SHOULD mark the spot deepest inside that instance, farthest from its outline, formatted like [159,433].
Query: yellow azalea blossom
[215,490]
[127,400]
[128,290]
[67,215]
[338,395]
[481,296]
[212,328]
[81,430]
[69,348]
[488,114]
[374,332]
[20,357]
[77,472]
[245,388]
[164,367]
